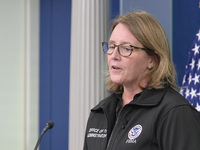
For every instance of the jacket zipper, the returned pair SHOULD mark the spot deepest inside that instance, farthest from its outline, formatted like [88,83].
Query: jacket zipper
[118,130]
[111,135]
[107,127]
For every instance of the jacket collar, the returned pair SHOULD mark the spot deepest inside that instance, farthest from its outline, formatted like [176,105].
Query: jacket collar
[149,97]
[110,101]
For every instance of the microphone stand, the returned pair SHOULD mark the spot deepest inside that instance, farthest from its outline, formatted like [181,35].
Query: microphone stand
[49,125]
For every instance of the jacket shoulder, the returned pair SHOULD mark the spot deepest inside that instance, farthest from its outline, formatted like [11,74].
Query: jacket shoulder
[171,100]
[106,101]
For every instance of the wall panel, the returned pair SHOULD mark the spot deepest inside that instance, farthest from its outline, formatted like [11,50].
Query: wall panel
[19,29]
[90,23]
[55,24]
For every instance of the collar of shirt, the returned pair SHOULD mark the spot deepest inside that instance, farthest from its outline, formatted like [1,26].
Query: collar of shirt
[149,97]
[119,96]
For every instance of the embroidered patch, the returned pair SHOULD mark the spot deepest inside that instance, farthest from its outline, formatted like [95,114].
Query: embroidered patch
[135,132]
[97,133]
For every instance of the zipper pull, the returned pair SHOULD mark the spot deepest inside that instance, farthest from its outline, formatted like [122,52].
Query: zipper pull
[124,124]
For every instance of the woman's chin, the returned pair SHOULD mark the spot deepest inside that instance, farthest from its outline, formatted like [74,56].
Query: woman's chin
[116,80]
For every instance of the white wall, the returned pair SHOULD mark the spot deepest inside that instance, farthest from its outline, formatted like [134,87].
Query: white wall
[89,27]
[19,47]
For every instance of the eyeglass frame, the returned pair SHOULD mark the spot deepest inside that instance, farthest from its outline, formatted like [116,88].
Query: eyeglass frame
[115,45]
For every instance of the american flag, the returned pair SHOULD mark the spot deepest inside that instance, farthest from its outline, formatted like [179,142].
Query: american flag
[191,79]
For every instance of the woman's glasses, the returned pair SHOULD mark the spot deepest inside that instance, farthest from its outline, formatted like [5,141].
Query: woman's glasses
[123,49]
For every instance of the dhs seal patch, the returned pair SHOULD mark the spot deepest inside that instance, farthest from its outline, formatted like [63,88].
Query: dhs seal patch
[135,132]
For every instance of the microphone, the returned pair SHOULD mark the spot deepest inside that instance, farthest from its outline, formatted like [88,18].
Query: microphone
[48,126]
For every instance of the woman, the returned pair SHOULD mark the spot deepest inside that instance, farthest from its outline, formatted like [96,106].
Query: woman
[144,111]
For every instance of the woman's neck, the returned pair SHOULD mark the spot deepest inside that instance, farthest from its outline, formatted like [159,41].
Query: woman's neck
[129,93]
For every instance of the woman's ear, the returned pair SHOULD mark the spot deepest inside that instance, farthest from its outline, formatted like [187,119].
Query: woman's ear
[151,64]
[150,67]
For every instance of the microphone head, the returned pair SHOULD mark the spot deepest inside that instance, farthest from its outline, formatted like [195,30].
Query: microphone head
[50,124]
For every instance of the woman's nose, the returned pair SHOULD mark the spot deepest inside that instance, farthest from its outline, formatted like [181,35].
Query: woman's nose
[115,55]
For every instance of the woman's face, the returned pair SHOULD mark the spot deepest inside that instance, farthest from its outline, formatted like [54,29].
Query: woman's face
[127,70]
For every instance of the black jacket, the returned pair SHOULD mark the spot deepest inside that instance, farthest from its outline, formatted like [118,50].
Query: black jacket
[155,120]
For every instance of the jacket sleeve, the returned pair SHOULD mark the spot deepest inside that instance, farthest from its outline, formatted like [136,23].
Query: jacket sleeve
[179,129]
[85,144]
[85,147]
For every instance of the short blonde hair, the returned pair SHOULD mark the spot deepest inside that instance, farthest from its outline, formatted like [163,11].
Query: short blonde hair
[148,31]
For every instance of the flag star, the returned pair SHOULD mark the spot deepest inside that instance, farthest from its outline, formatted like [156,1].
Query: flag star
[192,64]
[198,107]
[198,65]
[184,79]
[181,92]
[190,78]
[198,35]
[193,93]
[196,79]
[198,94]
[187,93]
[196,49]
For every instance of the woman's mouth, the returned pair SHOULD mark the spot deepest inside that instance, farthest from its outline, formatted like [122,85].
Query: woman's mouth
[115,68]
